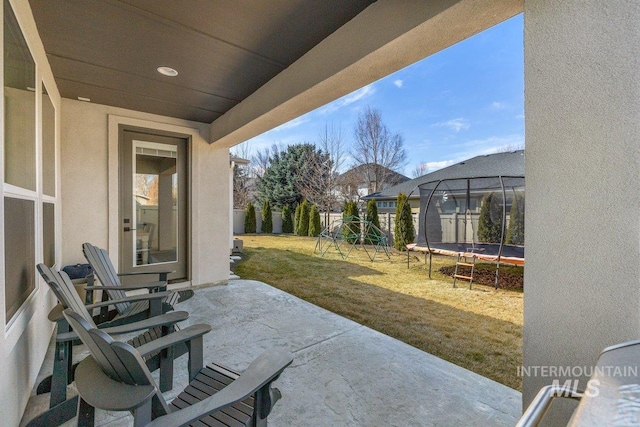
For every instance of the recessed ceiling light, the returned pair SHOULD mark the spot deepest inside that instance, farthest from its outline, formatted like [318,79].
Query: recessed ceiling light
[82,98]
[167,71]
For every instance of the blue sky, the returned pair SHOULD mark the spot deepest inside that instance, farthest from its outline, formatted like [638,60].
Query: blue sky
[464,101]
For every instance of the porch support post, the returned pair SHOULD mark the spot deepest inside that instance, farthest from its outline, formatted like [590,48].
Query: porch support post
[582,107]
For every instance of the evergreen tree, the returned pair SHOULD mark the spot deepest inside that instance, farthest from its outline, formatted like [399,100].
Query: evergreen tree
[345,208]
[287,221]
[303,229]
[433,224]
[372,216]
[490,221]
[250,219]
[267,217]
[296,220]
[351,228]
[280,182]
[404,231]
[314,222]
[515,230]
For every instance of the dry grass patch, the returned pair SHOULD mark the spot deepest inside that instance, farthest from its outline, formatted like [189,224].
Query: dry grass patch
[478,329]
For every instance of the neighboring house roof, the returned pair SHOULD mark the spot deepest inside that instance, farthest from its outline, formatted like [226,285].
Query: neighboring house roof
[359,174]
[238,160]
[499,164]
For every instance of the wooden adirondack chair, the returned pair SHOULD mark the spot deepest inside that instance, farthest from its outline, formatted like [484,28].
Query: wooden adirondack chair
[63,409]
[115,290]
[127,310]
[215,395]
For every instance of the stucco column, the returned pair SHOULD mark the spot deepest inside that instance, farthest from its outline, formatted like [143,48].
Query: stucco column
[582,108]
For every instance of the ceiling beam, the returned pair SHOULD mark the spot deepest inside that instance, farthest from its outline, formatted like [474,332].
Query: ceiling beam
[385,37]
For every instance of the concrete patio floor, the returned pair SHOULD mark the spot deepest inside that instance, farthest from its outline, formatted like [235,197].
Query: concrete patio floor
[343,374]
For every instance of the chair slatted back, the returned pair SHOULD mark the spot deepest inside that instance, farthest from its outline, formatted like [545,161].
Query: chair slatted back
[119,360]
[62,287]
[106,272]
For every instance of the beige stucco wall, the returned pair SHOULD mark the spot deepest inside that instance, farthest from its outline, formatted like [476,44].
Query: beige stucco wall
[90,186]
[582,109]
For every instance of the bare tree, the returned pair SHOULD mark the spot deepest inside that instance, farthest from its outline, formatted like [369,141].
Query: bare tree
[419,170]
[261,160]
[241,175]
[241,193]
[319,183]
[511,147]
[376,149]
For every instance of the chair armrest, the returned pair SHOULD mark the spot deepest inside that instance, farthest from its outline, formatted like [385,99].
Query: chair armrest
[177,337]
[153,285]
[100,391]
[262,371]
[56,313]
[167,319]
[541,403]
[132,298]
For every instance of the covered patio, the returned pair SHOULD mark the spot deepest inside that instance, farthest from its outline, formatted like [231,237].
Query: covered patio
[78,74]
[343,374]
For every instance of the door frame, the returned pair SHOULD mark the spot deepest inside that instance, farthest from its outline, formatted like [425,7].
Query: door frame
[116,123]
[146,137]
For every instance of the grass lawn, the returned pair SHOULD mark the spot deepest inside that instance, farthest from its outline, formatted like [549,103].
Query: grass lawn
[479,329]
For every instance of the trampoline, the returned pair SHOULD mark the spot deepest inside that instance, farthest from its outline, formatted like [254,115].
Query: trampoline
[476,217]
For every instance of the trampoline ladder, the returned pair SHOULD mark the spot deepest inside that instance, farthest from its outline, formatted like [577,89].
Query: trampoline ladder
[464,263]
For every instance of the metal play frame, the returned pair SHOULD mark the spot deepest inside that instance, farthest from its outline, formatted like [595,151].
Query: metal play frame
[347,233]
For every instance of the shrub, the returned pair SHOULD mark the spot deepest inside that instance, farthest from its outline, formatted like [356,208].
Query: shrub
[515,230]
[303,229]
[267,217]
[404,231]
[314,222]
[490,221]
[287,221]
[250,219]
[296,219]
[372,216]
[351,229]
[432,224]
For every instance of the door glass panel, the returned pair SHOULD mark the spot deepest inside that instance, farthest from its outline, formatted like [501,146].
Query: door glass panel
[155,194]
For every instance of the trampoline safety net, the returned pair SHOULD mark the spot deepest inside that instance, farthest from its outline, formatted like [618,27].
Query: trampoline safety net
[480,216]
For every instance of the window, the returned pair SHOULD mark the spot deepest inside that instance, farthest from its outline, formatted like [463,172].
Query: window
[29,191]
[19,253]
[48,145]
[20,106]
[48,234]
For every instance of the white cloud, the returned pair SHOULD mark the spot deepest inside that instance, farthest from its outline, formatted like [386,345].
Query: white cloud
[490,145]
[434,166]
[293,123]
[398,83]
[495,106]
[454,124]
[359,94]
